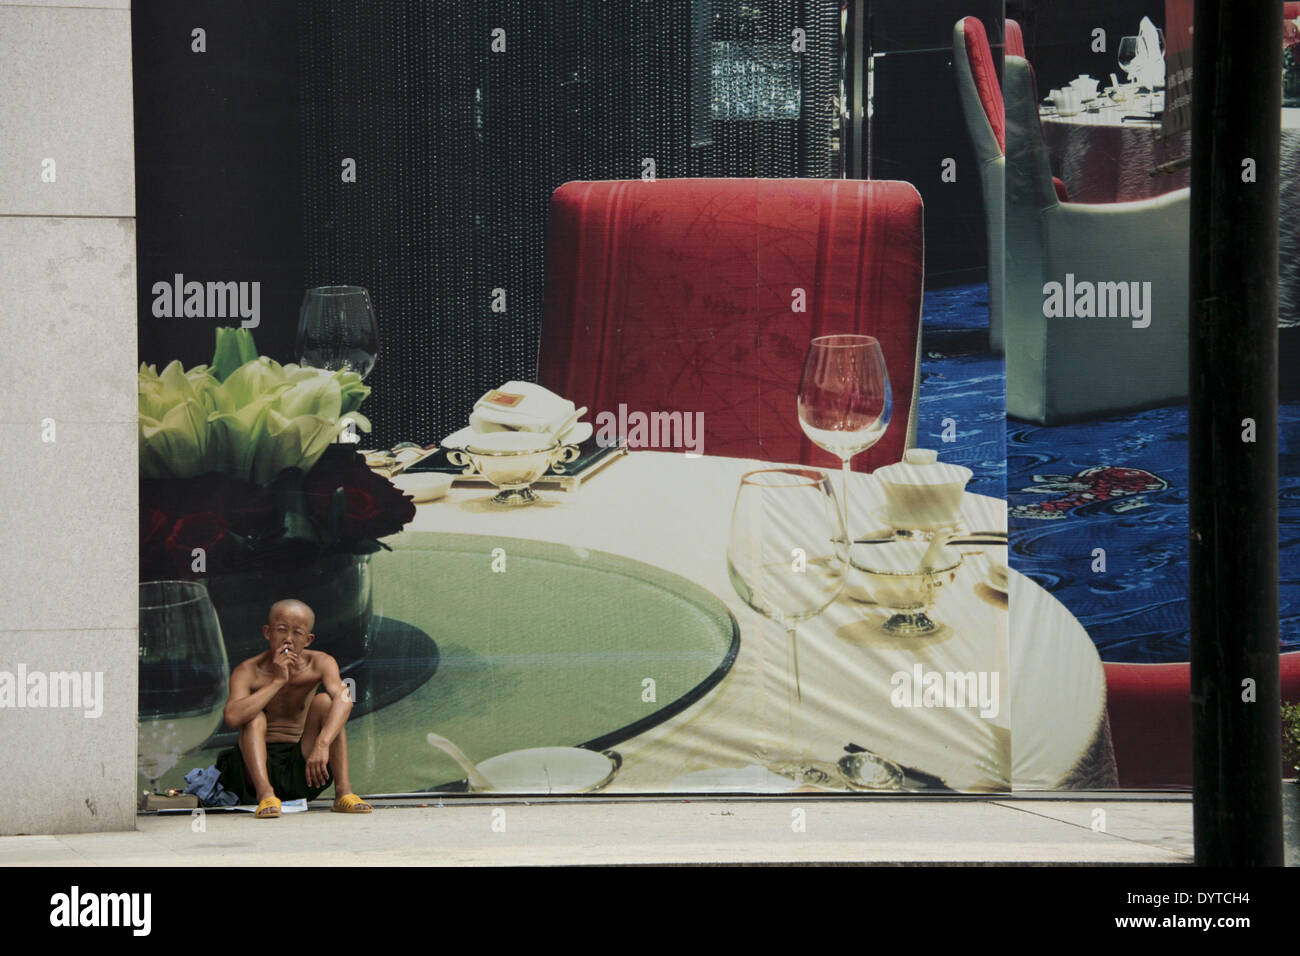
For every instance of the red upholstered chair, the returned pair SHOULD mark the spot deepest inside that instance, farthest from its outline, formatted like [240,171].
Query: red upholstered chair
[681,295]
[1150,707]
[1290,11]
[1015,43]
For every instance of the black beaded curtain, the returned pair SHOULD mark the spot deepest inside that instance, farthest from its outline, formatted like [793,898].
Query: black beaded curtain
[458,149]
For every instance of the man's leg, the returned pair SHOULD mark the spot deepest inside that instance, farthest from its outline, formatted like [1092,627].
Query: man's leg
[338,758]
[252,746]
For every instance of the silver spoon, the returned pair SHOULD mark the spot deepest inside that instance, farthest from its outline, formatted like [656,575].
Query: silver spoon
[472,773]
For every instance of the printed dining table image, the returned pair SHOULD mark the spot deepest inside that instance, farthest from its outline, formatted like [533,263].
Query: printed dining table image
[580,623]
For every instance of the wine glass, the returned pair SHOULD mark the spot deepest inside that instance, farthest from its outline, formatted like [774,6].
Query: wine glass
[786,558]
[845,402]
[183,673]
[337,329]
[1128,52]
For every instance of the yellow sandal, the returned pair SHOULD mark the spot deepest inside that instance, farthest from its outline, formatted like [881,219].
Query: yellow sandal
[350,803]
[268,809]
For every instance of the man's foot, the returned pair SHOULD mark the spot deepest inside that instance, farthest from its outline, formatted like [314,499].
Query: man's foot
[268,809]
[350,803]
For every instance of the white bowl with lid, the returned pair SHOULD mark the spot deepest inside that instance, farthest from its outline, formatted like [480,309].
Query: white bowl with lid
[921,492]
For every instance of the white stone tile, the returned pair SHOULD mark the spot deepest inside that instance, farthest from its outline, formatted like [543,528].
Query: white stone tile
[66,77]
[66,770]
[69,528]
[67,319]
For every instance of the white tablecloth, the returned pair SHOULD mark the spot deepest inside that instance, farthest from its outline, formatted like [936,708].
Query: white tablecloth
[673,511]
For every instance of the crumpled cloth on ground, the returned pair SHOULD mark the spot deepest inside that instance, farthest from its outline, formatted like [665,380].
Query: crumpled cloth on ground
[206,785]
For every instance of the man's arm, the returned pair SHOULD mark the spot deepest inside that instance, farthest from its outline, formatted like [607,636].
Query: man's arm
[243,705]
[340,706]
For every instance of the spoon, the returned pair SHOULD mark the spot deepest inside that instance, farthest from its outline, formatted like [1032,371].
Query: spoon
[472,773]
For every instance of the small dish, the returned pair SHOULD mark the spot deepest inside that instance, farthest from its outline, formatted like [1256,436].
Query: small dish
[996,575]
[426,486]
[889,574]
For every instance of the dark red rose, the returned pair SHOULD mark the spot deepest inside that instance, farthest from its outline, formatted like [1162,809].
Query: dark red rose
[205,530]
[374,508]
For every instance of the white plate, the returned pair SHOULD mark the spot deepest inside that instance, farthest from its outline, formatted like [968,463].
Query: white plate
[578,433]
[548,770]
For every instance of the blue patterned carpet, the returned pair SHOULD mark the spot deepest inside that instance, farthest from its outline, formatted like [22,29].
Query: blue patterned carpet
[962,382]
[1117,484]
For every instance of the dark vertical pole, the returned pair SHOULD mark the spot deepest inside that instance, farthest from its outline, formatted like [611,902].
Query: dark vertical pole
[855,89]
[1236,116]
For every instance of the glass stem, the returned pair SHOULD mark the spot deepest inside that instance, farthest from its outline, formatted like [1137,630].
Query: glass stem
[794,697]
[844,504]
[794,653]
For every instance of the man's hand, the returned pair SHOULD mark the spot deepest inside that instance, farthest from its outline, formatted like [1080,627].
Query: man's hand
[318,765]
[285,663]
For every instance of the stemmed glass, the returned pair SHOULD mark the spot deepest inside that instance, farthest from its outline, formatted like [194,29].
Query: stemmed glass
[337,329]
[1127,54]
[845,401]
[183,673]
[786,557]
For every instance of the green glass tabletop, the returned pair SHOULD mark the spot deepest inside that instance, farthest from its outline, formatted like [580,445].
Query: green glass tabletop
[536,645]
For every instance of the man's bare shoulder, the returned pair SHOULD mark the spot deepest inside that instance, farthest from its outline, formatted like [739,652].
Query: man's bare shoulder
[320,662]
[250,664]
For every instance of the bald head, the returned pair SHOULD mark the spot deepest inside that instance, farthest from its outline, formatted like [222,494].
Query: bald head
[292,607]
[289,626]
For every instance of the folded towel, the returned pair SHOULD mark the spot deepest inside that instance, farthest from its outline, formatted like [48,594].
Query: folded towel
[521,406]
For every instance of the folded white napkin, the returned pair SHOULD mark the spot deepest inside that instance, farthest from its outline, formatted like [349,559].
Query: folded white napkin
[521,406]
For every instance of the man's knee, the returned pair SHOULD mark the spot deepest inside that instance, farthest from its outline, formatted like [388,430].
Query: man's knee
[321,703]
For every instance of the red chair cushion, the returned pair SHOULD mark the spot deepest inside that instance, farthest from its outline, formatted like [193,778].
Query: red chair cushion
[1061,192]
[1150,707]
[1015,39]
[677,295]
[1290,11]
[985,75]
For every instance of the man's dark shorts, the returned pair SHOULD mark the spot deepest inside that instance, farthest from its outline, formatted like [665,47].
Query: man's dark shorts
[285,766]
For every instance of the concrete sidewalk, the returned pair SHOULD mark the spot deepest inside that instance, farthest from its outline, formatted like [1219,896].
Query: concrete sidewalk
[739,830]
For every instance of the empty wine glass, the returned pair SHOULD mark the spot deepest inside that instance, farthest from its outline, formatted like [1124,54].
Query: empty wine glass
[845,402]
[183,673]
[337,329]
[786,557]
[1128,52]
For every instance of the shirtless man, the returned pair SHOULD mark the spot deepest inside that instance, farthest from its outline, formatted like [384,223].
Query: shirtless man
[291,737]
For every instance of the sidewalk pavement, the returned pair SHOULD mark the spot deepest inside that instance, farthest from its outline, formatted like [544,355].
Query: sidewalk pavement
[1094,829]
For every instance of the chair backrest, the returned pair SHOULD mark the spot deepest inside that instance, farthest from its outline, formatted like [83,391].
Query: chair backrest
[1290,11]
[1029,168]
[1015,45]
[977,83]
[701,295]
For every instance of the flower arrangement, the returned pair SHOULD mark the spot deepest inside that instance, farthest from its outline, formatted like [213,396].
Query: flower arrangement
[241,468]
